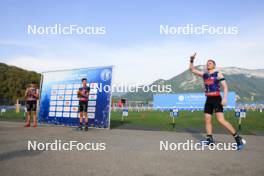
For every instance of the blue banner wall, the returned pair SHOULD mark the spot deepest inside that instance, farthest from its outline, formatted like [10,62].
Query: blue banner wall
[187,101]
[59,101]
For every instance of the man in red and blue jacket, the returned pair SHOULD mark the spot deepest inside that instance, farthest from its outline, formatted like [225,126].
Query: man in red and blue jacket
[214,102]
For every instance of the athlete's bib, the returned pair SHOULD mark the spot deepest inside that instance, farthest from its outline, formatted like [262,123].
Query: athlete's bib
[83,96]
[211,84]
[30,94]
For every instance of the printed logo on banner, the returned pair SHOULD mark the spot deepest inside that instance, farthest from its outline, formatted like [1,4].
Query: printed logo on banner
[60,97]
[74,109]
[51,114]
[59,108]
[68,92]
[92,97]
[106,74]
[91,109]
[53,103]
[91,103]
[54,92]
[60,92]
[67,103]
[91,115]
[60,103]
[67,97]
[181,98]
[75,103]
[93,85]
[66,109]
[53,97]
[58,114]
[74,115]
[93,91]
[62,86]
[52,108]
[66,114]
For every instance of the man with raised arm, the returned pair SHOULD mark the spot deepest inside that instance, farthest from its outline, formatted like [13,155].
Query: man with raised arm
[214,101]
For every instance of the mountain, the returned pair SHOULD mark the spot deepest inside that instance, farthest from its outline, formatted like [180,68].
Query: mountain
[247,83]
[13,83]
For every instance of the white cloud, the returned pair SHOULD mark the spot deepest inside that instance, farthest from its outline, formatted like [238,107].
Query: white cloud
[19,43]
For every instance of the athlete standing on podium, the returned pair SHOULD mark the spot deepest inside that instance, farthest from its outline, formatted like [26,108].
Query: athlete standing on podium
[214,101]
[83,95]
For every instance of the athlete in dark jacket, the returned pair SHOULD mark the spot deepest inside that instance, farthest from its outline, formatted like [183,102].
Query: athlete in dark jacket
[83,95]
[31,95]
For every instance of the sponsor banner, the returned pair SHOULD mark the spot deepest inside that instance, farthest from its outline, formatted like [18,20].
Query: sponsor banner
[188,101]
[59,103]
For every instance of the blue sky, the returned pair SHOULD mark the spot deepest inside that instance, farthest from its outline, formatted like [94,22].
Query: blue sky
[132,38]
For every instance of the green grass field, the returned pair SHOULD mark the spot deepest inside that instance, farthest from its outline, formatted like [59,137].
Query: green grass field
[11,115]
[155,120]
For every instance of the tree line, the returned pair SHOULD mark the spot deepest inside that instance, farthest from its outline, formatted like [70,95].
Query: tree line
[13,83]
